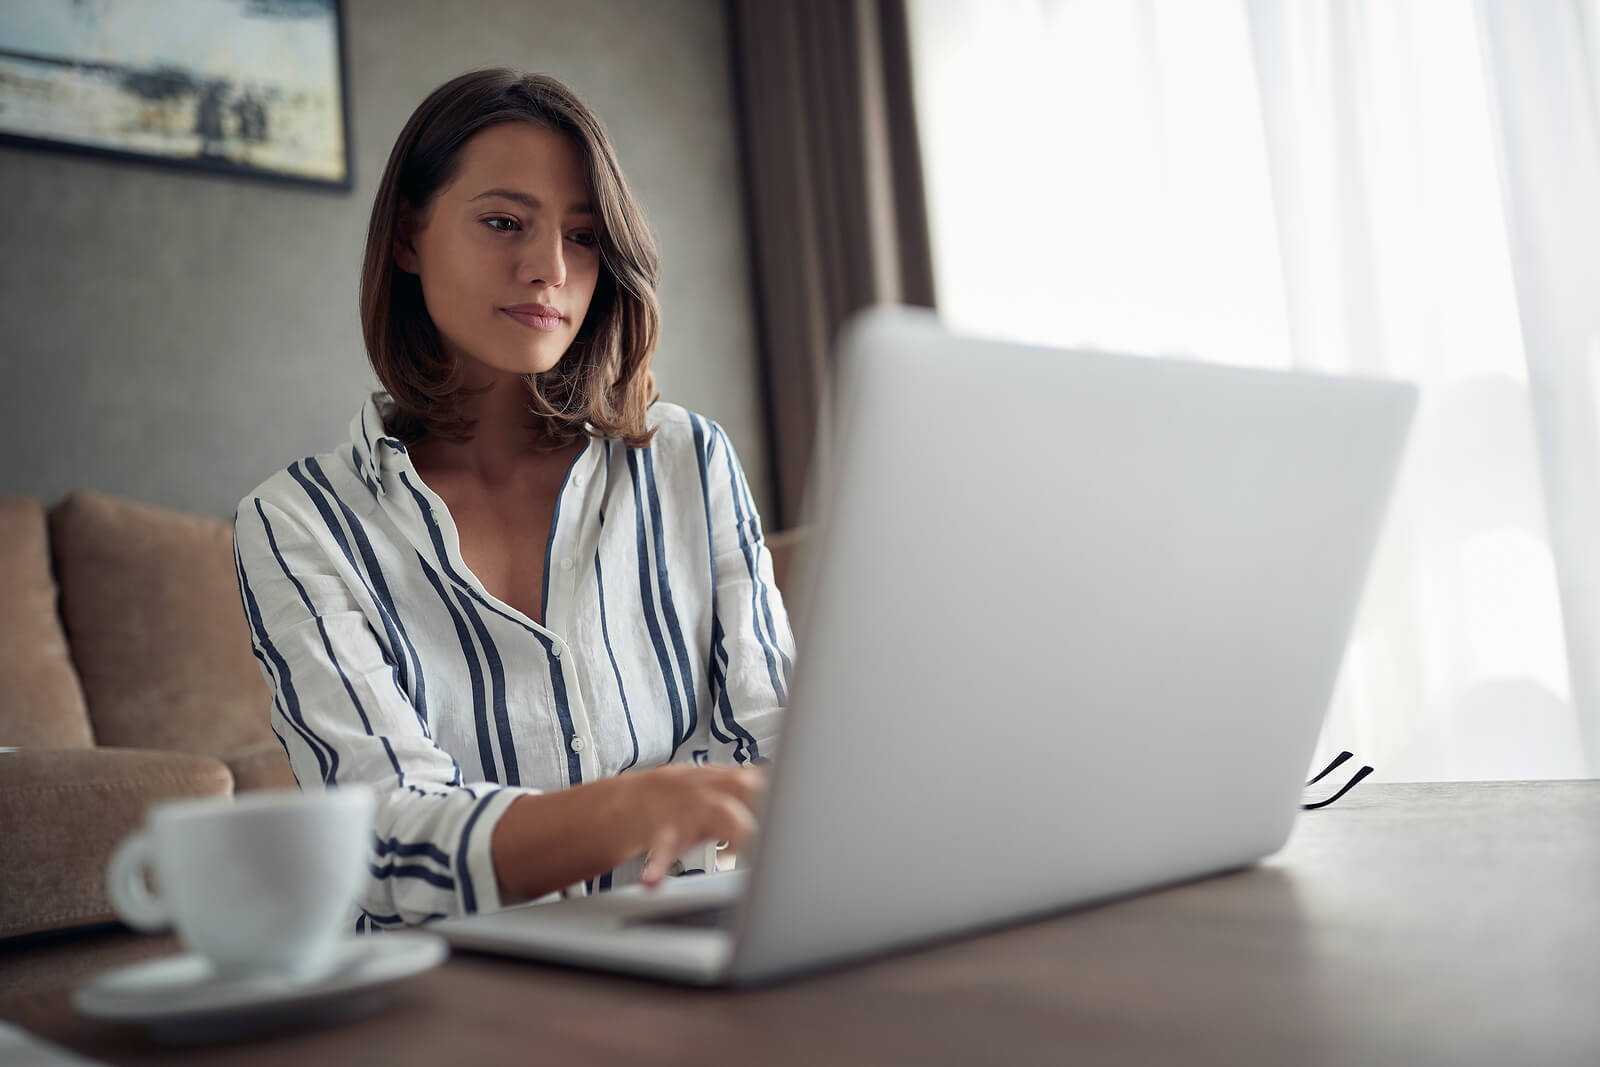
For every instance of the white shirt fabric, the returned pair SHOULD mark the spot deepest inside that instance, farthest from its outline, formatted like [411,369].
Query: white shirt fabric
[665,640]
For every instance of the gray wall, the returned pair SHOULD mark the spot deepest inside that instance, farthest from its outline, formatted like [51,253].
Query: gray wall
[177,337]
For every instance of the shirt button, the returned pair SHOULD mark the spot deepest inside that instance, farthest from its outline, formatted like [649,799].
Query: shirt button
[566,563]
[555,650]
[577,481]
[577,744]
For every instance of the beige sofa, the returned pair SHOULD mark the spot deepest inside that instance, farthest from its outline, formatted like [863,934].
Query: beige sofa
[125,677]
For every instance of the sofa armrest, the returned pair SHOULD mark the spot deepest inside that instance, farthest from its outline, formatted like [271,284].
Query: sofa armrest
[260,766]
[62,811]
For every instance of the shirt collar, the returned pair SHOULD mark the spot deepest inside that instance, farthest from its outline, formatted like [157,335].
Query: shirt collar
[376,453]
[373,451]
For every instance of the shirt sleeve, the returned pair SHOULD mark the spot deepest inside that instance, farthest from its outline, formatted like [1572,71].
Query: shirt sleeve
[752,653]
[342,714]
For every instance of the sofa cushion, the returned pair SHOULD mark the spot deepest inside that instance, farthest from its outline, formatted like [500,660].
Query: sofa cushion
[40,702]
[64,810]
[150,601]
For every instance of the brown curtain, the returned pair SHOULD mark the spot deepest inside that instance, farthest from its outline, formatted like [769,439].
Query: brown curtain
[833,184]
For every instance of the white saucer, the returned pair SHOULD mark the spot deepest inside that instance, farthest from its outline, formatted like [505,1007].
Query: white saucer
[179,998]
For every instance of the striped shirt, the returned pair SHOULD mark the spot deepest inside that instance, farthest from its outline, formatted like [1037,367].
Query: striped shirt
[664,640]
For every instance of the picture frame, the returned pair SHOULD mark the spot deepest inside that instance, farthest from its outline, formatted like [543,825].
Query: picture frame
[249,88]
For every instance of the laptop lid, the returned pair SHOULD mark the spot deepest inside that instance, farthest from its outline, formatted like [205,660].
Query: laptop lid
[1072,623]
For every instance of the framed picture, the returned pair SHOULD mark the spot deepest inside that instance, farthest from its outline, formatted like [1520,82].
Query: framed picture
[254,88]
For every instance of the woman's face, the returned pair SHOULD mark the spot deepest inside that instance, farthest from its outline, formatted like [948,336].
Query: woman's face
[507,252]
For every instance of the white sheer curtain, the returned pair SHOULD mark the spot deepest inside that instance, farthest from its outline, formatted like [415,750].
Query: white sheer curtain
[1546,99]
[1314,185]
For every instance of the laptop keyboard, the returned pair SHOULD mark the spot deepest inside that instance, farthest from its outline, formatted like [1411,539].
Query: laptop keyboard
[701,918]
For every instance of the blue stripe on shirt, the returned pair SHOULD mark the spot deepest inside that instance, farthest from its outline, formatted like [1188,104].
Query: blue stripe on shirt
[558,692]
[394,846]
[703,444]
[378,589]
[327,763]
[469,654]
[669,610]
[391,920]
[255,650]
[327,645]
[469,896]
[412,870]
[668,677]
[744,745]
[748,751]
[751,558]
[497,690]
[605,635]
[371,575]
[743,487]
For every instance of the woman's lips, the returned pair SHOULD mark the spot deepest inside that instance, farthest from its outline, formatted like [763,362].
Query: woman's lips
[536,320]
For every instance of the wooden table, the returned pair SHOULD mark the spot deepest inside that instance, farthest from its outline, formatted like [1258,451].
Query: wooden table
[1407,924]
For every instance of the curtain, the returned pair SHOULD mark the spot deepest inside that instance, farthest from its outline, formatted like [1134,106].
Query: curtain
[1302,185]
[1542,82]
[834,187]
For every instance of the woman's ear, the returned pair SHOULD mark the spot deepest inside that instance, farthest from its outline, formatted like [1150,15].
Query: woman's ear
[405,249]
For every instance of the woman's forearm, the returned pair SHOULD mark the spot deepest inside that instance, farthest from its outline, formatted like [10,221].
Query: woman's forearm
[552,840]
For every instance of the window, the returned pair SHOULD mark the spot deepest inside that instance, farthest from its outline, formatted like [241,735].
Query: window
[1308,185]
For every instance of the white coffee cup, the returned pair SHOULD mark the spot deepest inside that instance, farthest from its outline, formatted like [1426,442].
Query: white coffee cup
[258,884]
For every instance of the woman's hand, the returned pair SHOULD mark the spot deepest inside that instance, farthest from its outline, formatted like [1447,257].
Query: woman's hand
[686,806]
[546,841]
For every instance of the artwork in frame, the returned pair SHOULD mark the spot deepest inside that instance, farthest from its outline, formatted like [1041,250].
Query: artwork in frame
[248,87]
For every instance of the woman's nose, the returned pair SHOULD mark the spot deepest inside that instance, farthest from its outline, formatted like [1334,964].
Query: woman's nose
[543,261]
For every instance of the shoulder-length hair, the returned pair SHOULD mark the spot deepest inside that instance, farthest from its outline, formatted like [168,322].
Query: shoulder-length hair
[603,385]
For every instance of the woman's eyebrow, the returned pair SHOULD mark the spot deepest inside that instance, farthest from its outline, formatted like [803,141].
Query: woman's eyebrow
[581,207]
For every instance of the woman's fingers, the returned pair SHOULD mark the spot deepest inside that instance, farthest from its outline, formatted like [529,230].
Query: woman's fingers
[663,850]
[748,783]
[736,823]
[697,805]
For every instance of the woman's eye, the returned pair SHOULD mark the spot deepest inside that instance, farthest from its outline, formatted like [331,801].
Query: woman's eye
[501,224]
[585,238]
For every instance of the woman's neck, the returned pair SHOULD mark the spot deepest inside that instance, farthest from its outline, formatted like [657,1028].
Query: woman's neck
[508,440]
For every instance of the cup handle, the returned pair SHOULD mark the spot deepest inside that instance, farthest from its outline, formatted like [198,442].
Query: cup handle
[133,901]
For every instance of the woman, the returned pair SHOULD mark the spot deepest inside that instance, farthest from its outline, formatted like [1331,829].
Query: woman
[525,602]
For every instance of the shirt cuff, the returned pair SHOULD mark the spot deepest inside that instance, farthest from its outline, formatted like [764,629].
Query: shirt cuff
[477,885]
[702,858]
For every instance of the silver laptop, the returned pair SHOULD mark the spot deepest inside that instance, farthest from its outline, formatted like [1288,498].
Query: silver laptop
[1072,622]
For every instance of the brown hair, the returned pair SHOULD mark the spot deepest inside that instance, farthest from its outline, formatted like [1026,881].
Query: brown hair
[604,377]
